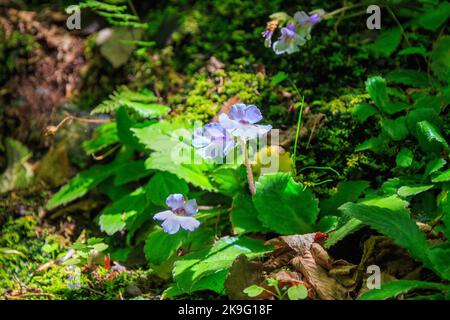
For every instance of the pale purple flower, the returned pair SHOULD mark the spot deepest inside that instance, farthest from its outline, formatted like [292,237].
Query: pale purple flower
[241,122]
[305,22]
[289,41]
[212,141]
[179,215]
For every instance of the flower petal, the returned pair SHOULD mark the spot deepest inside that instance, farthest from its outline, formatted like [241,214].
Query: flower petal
[171,225]
[163,215]
[226,122]
[252,114]
[237,111]
[175,201]
[191,207]
[199,140]
[188,223]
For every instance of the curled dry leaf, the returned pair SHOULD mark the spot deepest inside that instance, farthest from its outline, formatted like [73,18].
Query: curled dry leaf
[325,286]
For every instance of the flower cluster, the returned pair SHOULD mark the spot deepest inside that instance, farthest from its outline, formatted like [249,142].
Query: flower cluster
[296,32]
[215,140]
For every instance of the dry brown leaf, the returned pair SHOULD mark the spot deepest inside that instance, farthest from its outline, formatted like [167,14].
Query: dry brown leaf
[325,286]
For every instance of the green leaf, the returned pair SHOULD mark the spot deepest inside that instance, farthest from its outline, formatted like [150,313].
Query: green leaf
[244,216]
[440,260]
[396,129]
[407,191]
[105,135]
[279,77]
[142,103]
[159,245]
[173,152]
[395,288]
[253,291]
[397,225]
[298,292]
[284,205]
[434,165]
[414,50]
[163,184]
[131,171]
[440,58]
[124,126]
[377,144]
[80,185]
[433,18]
[422,114]
[387,42]
[377,89]
[442,176]
[229,180]
[408,77]
[404,158]
[347,191]
[352,225]
[207,269]
[123,212]
[430,139]
[362,111]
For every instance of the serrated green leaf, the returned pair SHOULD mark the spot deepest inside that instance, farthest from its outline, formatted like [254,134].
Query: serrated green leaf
[433,18]
[129,172]
[105,135]
[244,216]
[362,111]
[253,291]
[442,176]
[207,269]
[387,42]
[163,184]
[408,191]
[81,184]
[347,191]
[159,246]
[440,58]
[122,213]
[377,89]
[298,292]
[296,207]
[434,165]
[395,288]
[408,77]
[396,128]
[430,139]
[397,225]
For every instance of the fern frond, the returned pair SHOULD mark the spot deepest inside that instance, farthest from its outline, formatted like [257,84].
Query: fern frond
[141,102]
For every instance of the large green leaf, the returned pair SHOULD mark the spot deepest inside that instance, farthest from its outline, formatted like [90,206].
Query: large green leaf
[440,260]
[171,143]
[404,158]
[207,269]
[396,128]
[363,111]
[377,89]
[131,172]
[408,77]
[395,224]
[81,184]
[387,42]
[395,288]
[163,184]
[433,18]
[105,135]
[352,225]
[159,245]
[442,176]
[347,191]
[244,216]
[285,206]
[440,59]
[430,139]
[123,212]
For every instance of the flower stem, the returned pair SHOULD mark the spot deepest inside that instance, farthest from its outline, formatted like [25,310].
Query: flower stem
[251,183]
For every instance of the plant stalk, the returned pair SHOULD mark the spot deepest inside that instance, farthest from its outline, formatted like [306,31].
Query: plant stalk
[248,166]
